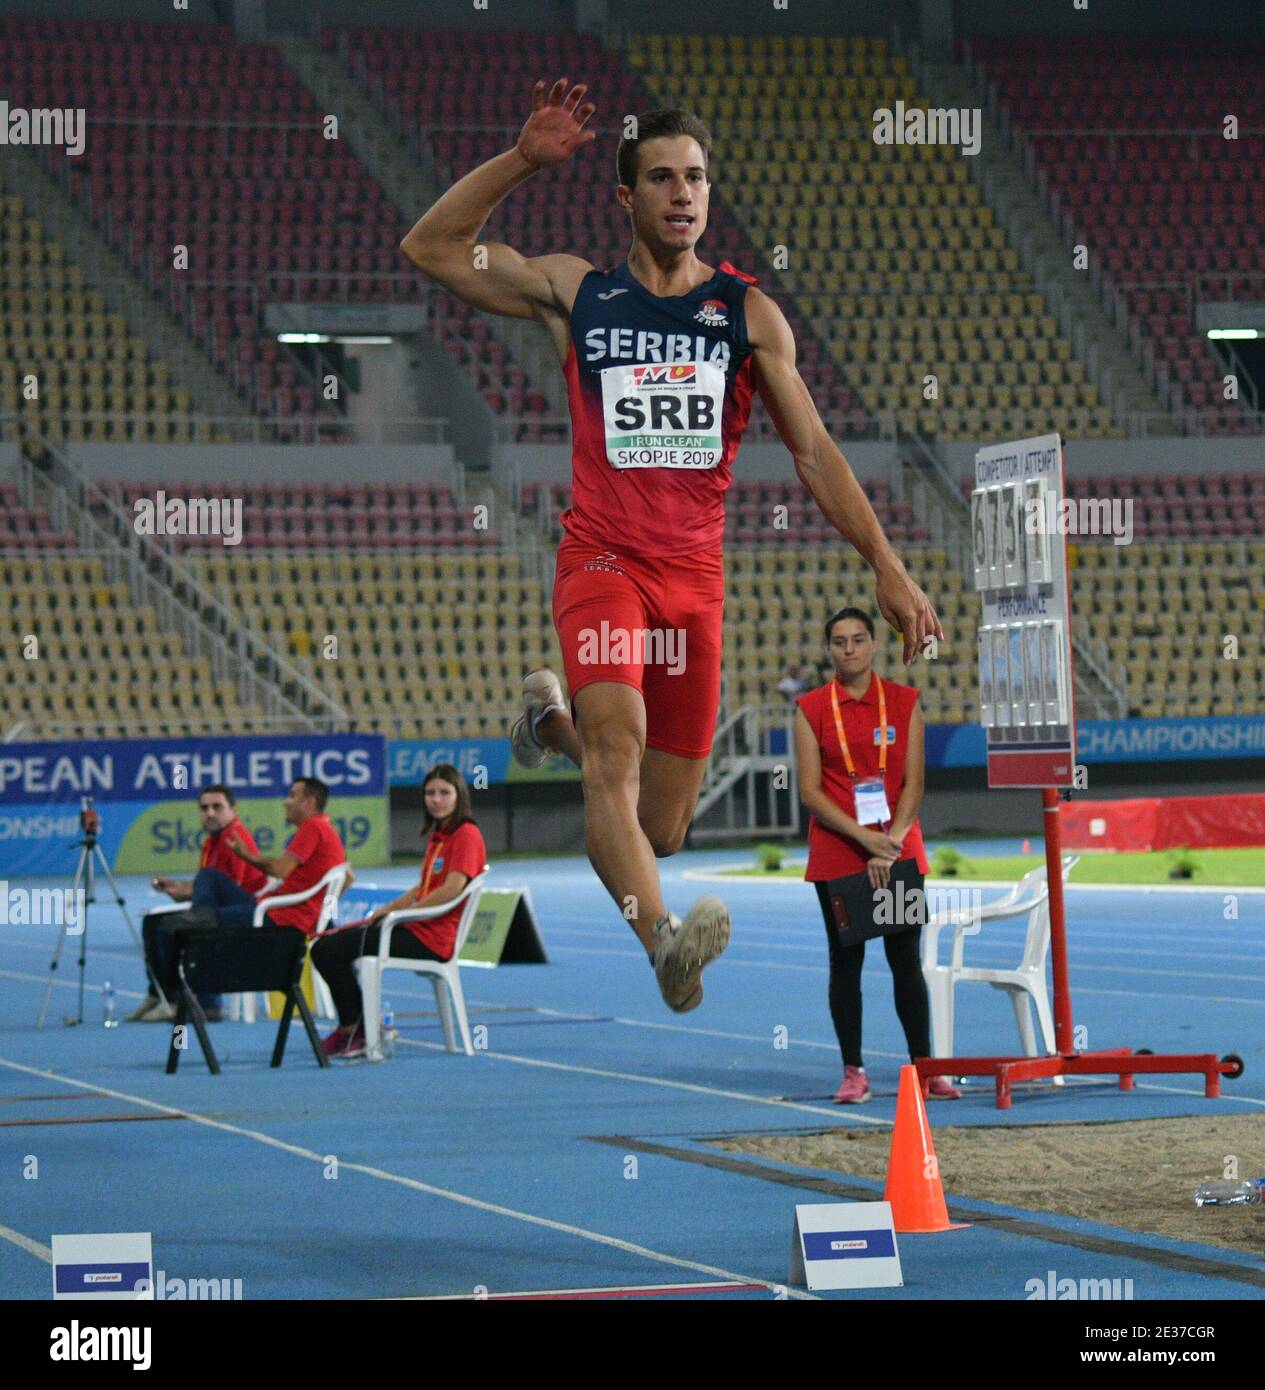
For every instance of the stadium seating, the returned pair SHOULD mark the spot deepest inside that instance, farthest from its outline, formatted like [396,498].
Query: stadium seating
[326,516]
[1129,135]
[436,89]
[27,528]
[212,145]
[757,513]
[102,661]
[1163,612]
[1175,506]
[897,271]
[429,645]
[93,375]
[893,256]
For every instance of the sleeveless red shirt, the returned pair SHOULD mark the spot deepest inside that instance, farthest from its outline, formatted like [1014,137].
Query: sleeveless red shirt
[830,854]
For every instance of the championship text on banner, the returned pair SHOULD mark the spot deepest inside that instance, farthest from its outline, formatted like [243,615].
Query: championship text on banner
[1186,739]
[146,791]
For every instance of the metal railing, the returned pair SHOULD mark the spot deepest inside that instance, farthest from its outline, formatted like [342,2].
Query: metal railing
[145,128]
[390,723]
[751,780]
[1114,136]
[1023,146]
[1197,424]
[275,429]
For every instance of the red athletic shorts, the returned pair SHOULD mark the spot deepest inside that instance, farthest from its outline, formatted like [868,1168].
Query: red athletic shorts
[654,624]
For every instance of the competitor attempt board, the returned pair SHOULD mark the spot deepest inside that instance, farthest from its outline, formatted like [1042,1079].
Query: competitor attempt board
[1025,649]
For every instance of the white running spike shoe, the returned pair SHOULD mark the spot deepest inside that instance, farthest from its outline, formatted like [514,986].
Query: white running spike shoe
[683,949]
[542,692]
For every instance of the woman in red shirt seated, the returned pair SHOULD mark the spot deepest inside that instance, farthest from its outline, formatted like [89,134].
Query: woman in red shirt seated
[859,744]
[455,853]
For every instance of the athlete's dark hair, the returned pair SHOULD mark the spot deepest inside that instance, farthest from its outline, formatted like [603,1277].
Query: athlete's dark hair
[316,789]
[653,126]
[858,613]
[217,790]
[445,772]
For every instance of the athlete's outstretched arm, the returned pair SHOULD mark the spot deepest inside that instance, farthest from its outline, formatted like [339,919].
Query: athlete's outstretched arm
[825,473]
[499,280]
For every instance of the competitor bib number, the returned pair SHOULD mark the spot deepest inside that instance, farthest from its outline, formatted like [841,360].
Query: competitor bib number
[663,415]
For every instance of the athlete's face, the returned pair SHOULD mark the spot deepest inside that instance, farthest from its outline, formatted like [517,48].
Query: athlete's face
[851,649]
[669,200]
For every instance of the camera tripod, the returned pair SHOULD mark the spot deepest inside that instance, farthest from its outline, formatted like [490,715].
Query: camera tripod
[84,889]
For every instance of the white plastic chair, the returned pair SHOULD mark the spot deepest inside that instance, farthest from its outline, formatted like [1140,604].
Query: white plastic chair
[445,975]
[243,1005]
[1025,983]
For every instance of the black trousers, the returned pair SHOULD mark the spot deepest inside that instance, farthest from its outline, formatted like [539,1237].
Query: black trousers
[335,953]
[158,936]
[905,958]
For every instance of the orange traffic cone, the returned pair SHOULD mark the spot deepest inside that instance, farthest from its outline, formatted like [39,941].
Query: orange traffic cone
[913,1171]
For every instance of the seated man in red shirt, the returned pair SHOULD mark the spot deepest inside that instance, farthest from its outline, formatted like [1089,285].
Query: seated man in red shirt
[455,853]
[311,853]
[218,808]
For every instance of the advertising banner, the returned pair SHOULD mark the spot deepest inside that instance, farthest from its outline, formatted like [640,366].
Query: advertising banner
[145,791]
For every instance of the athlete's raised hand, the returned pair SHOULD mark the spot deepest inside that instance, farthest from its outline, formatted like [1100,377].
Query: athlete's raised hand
[907,608]
[555,128]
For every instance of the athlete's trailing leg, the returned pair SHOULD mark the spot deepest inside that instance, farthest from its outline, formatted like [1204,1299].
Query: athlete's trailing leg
[612,732]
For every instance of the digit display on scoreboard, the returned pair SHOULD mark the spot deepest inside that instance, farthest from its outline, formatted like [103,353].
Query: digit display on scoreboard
[1019,568]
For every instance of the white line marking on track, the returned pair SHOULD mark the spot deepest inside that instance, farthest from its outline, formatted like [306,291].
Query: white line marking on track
[978,945]
[1191,1091]
[718,1033]
[730,961]
[833,1112]
[747,964]
[32,1247]
[89,987]
[1192,998]
[597,1291]
[628,1247]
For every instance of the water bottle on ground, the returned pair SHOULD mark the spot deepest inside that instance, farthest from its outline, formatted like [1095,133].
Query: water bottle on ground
[1229,1193]
[107,1002]
[388,1031]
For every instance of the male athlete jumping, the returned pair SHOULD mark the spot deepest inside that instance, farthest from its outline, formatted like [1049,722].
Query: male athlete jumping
[661,356]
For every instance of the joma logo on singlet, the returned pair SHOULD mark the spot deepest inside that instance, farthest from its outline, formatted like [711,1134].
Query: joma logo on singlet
[640,345]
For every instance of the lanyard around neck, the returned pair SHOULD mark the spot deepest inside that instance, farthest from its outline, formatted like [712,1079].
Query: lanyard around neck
[843,738]
[428,865]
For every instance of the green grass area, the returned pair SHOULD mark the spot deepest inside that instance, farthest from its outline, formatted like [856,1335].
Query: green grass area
[1221,868]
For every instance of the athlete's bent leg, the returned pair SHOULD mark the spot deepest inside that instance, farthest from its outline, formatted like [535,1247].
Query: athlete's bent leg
[669,793]
[612,737]
[669,785]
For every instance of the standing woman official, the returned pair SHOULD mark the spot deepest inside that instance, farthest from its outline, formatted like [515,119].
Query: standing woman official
[859,743]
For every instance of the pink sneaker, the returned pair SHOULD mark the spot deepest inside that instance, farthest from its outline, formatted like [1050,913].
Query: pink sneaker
[345,1042]
[855,1089]
[939,1088]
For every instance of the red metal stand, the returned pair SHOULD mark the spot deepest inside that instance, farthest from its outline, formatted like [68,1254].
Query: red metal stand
[1122,1061]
